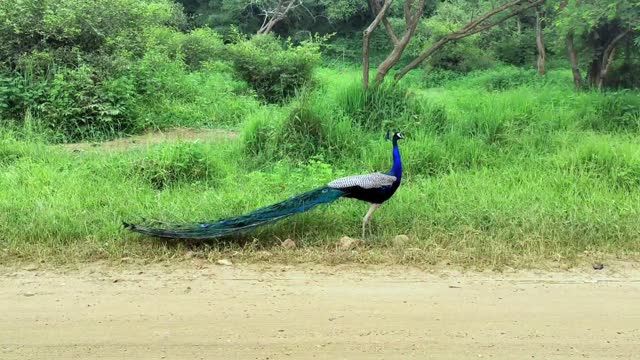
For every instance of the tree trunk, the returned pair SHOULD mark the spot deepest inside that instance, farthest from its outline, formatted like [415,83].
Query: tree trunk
[268,26]
[601,63]
[593,75]
[401,44]
[540,43]
[277,15]
[365,40]
[573,59]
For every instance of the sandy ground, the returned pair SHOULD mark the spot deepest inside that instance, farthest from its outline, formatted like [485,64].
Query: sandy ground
[244,312]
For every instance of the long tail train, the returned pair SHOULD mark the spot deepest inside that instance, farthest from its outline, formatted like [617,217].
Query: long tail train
[230,226]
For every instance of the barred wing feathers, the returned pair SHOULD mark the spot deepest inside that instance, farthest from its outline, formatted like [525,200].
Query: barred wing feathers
[367,181]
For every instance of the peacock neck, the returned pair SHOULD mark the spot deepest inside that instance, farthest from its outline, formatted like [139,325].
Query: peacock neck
[396,170]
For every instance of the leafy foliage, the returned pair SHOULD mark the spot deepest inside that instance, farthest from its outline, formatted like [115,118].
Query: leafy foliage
[97,70]
[309,129]
[275,71]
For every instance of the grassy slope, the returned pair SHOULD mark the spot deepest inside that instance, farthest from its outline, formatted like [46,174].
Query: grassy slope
[532,172]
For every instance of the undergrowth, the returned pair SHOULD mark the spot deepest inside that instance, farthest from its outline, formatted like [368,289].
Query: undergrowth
[528,173]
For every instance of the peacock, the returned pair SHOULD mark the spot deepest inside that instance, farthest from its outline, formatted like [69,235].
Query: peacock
[375,188]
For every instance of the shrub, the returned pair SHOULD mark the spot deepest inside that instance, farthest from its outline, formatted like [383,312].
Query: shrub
[174,95]
[89,26]
[275,71]
[178,164]
[69,62]
[194,48]
[202,45]
[78,106]
[386,106]
[310,128]
[517,49]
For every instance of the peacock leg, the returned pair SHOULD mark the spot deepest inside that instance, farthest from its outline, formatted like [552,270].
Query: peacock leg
[367,218]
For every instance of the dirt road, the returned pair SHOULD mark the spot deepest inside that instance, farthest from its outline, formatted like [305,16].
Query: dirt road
[217,312]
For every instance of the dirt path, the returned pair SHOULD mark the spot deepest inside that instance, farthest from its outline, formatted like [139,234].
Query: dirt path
[216,312]
[154,138]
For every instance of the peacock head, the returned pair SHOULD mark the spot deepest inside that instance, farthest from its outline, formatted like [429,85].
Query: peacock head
[396,136]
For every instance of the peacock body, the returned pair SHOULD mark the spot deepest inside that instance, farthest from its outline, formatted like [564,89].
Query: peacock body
[375,188]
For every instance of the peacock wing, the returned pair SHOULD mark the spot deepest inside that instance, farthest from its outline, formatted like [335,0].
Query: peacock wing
[366,181]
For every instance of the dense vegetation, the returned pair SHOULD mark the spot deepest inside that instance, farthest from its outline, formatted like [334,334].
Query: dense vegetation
[502,163]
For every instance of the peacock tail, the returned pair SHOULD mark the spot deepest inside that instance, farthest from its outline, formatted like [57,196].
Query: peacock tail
[269,214]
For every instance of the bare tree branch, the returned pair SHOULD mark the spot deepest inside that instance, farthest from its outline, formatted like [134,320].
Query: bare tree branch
[407,11]
[573,59]
[365,42]
[375,6]
[272,17]
[399,48]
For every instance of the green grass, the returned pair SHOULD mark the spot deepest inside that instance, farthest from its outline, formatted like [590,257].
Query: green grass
[514,174]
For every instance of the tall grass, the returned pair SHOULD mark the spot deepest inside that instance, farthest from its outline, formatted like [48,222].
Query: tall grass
[492,177]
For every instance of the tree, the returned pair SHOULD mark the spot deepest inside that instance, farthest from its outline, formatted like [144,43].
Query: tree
[540,42]
[599,27]
[274,12]
[488,20]
[411,17]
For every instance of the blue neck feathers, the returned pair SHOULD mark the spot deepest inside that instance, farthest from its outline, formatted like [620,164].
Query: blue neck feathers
[396,170]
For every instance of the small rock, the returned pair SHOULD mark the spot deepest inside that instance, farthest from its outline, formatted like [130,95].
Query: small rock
[125,260]
[400,240]
[224,262]
[31,267]
[347,243]
[29,294]
[289,244]
[189,255]
[598,266]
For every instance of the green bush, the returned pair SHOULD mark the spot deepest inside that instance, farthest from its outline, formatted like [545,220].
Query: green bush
[178,164]
[18,95]
[195,48]
[386,106]
[78,105]
[517,49]
[70,63]
[275,71]
[108,26]
[311,127]
[173,95]
[462,57]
